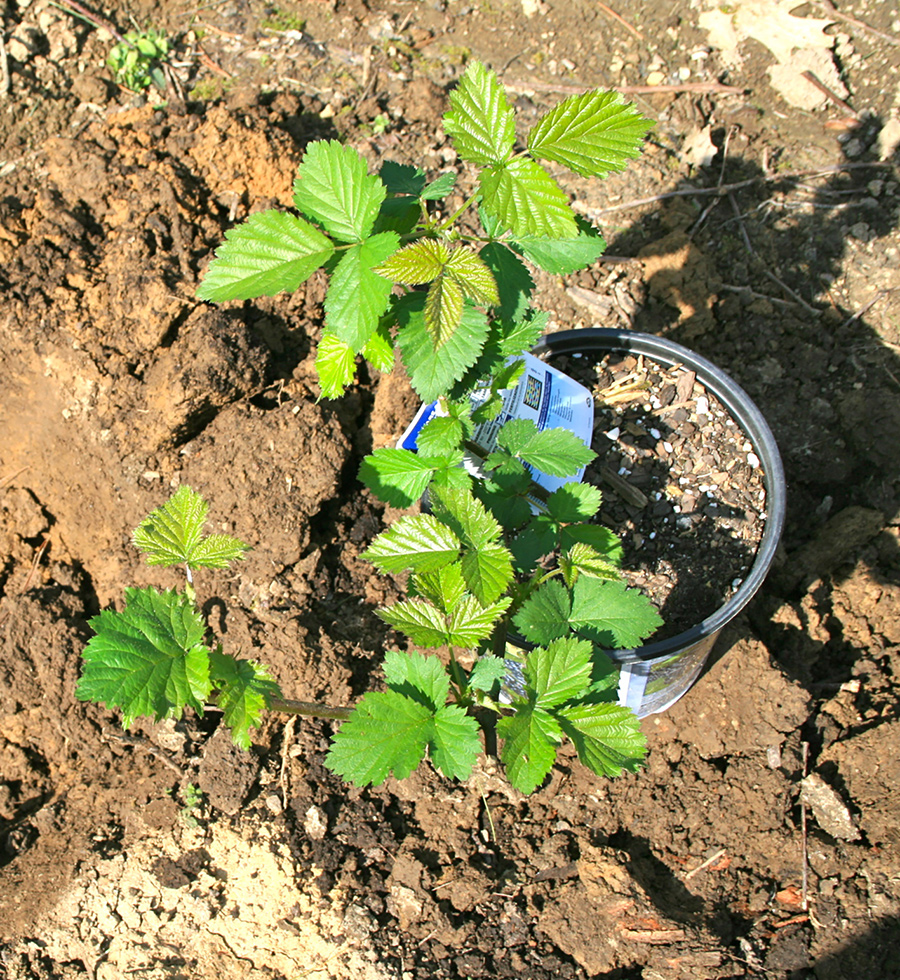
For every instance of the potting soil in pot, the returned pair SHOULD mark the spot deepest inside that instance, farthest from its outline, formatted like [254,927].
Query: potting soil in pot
[682,484]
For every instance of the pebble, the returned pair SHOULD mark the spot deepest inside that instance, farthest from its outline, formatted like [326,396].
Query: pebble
[753,460]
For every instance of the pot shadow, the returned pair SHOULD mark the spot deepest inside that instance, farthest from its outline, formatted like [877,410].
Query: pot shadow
[746,278]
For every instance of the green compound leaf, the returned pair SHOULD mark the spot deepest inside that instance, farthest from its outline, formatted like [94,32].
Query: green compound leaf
[442,434]
[574,502]
[514,282]
[544,616]
[612,615]
[333,187]
[432,376]
[418,263]
[593,134]
[443,310]
[148,659]
[245,688]
[601,539]
[269,253]
[379,349]
[476,280]
[444,587]
[563,256]
[557,452]
[335,365]
[607,737]
[357,296]
[523,197]
[455,745]
[439,188]
[421,621]
[466,516]
[581,559]
[559,673]
[471,622]
[424,679]
[402,178]
[531,736]
[421,544]
[487,571]
[488,671]
[399,477]
[173,535]
[480,119]
[387,733]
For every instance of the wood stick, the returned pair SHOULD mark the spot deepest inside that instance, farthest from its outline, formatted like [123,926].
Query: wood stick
[610,12]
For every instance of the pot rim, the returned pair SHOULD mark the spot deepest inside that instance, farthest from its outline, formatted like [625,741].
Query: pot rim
[748,416]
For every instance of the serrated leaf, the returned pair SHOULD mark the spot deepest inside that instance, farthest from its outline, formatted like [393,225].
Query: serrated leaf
[402,178]
[217,551]
[173,534]
[449,471]
[470,621]
[566,255]
[607,737]
[466,269]
[527,200]
[398,214]
[430,375]
[333,187]
[424,679]
[439,188]
[582,559]
[601,539]
[557,452]
[421,543]
[544,616]
[396,476]
[467,517]
[335,365]
[387,733]
[443,587]
[514,282]
[170,534]
[529,749]
[455,745]
[480,119]
[245,688]
[357,295]
[612,615]
[524,334]
[271,252]
[416,264]
[442,434]
[560,672]
[148,659]
[421,621]
[574,502]
[593,134]
[379,349]
[488,671]
[443,310]
[487,571]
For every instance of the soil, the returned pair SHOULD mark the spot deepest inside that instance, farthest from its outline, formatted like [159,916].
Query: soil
[678,489]
[165,854]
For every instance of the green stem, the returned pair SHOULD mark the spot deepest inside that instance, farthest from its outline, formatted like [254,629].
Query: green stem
[458,676]
[310,709]
[452,219]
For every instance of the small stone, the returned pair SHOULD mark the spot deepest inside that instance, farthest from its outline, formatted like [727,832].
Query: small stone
[655,78]
[274,804]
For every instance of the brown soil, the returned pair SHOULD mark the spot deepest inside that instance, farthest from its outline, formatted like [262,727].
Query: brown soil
[116,385]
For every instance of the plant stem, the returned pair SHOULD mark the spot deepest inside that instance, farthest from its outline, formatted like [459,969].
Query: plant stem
[311,709]
[71,7]
[452,219]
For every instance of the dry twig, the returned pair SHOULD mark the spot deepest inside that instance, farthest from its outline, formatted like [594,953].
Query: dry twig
[697,87]
[611,13]
[739,185]
[5,81]
[803,845]
[830,93]
[700,867]
[830,7]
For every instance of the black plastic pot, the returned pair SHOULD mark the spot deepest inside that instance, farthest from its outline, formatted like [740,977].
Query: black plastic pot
[655,676]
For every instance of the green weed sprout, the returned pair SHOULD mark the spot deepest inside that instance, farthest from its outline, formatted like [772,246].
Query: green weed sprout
[450,290]
[136,60]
